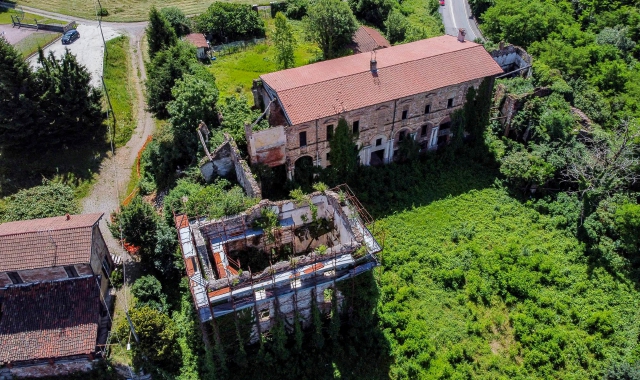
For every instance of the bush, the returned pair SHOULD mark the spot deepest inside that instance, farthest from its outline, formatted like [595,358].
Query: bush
[296,9]
[180,23]
[103,12]
[227,22]
[148,292]
[49,199]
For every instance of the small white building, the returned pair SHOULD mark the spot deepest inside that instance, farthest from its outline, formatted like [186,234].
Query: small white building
[201,44]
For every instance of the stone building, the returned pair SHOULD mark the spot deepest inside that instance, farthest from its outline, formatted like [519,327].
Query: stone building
[404,91]
[53,280]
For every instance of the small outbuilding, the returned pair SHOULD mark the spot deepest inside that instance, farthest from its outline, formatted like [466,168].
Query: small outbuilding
[367,39]
[201,44]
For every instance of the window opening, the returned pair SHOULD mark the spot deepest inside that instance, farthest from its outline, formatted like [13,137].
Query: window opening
[356,127]
[261,294]
[427,108]
[450,103]
[71,271]
[424,130]
[404,114]
[15,277]
[378,142]
[303,139]
[264,315]
[401,135]
[329,131]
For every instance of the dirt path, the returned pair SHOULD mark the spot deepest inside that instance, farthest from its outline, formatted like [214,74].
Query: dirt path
[115,170]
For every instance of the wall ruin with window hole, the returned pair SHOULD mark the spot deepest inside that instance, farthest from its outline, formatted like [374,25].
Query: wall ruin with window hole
[301,264]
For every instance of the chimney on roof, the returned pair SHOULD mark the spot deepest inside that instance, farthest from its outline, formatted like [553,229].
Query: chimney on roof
[373,64]
[461,34]
[68,217]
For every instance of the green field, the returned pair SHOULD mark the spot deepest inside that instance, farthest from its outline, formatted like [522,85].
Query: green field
[117,76]
[5,17]
[235,72]
[476,285]
[30,44]
[119,10]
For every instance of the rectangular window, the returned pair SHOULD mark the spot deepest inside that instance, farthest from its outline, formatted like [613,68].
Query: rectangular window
[356,127]
[401,135]
[296,283]
[15,277]
[260,294]
[427,108]
[71,271]
[450,103]
[264,315]
[303,139]
[424,131]
[329,131]
[328,157]
[404,114]
[378,142]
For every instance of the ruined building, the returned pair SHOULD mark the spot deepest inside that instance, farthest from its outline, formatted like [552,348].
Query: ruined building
[276,259]
[403,91]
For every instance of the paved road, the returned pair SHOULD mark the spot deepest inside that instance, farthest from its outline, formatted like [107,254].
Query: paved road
[456,14]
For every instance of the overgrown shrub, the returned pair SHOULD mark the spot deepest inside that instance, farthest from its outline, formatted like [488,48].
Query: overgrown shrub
[228,22]
[49,199]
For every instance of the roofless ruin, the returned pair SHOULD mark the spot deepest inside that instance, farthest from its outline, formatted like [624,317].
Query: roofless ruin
[277,259]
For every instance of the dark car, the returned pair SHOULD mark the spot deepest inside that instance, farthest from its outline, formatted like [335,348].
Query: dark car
[70,36]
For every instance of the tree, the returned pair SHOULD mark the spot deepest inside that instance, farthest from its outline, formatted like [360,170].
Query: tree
[19,106]
[622,371]
[72,107]
[396,25]
[331,25]
[157,333]
[165,69]
[49,199]
[148,292]
[344,152]
[373,12]
[177,19]
[194,100]
[160,33]
[627,225]
[227,22]
[138,222]
[284,42]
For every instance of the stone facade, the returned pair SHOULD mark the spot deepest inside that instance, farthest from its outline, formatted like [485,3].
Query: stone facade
[423,117]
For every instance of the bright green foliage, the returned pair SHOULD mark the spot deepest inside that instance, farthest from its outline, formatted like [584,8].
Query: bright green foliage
[297,9]
[164,70]
[476,109]
[137,222]
[194,100]
[158,350]
[215,200]
[524,168]
[19,111]
[396,25]
[160,33]
[284,42]
[236,112]
[627,225]
[117,67]
[344,152]
[228,22]
[509,297]
[177,19]
[372,11]
[331,24]
[49,199]
[72,106]
[148,292]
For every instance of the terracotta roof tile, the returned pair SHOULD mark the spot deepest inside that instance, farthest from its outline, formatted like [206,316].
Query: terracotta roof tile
[46,242]
[197,39]
[327,88]
[49,320]
[367,39]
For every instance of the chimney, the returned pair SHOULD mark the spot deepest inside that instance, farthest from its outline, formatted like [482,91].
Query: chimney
[68,217]
[373,64]
[461,34]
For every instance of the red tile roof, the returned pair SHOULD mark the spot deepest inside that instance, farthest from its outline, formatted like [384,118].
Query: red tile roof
[49,320]
[197,39]
[367,39]
[47,242]
[327,88]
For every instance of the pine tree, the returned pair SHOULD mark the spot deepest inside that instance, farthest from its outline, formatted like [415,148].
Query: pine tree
[73,107]
[19,106]
[344,152]
[160,34]
[284,42]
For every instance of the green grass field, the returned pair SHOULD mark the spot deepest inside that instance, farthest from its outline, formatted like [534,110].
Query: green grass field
[119,10]
[5,17]
[30,44]
[235,72]
[476,285]
[117,76]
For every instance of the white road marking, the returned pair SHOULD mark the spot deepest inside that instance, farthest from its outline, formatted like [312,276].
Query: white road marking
[453,18]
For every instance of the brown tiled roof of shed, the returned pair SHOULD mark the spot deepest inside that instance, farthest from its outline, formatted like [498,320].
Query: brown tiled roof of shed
[328,88]
[367,39]
[197,39]
[47,242]
[49,320]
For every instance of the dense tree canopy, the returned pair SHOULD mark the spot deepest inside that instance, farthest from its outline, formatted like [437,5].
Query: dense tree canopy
[284,42]
[49,199]
[160,33]
[228,22]
[177,19]
[331,24]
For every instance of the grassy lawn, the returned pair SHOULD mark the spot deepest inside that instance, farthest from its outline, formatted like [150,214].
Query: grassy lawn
[117,76]
[236,72]
[6,13]
[30,44]
[119,10]
[474,284]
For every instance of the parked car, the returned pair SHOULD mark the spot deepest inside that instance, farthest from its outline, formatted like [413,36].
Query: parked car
[70,36]
[441,2]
